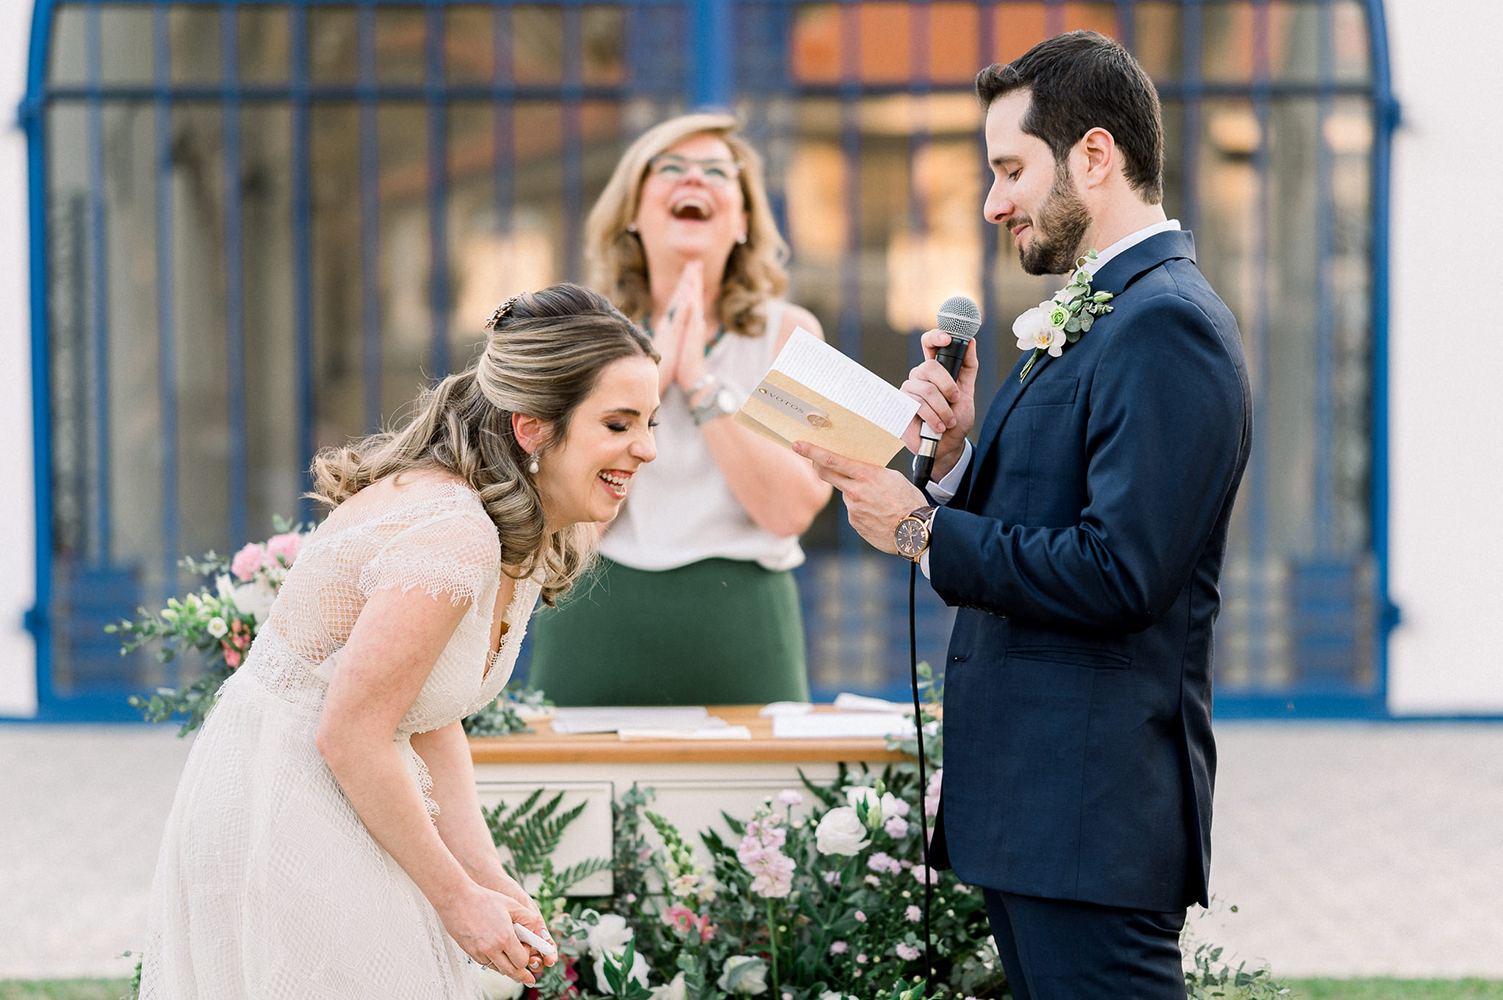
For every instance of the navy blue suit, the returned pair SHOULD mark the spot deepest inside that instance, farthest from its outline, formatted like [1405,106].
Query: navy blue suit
[1083,550]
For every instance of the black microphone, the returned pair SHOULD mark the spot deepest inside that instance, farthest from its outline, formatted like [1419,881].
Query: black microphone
[961,319]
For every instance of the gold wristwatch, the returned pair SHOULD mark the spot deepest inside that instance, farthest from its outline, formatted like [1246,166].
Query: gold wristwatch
[912,533]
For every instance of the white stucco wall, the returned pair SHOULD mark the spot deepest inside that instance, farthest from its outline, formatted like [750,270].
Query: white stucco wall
[1447,400]
[17,524]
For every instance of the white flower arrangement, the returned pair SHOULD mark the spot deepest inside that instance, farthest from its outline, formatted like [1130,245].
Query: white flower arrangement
[1055,322]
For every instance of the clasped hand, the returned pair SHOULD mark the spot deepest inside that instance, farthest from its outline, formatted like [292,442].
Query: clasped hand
[877,498]
[684,331]
[482,922]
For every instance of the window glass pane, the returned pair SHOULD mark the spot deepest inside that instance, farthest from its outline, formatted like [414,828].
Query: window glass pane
[69,63]
[332,45]
[816,43]
[1098,17]
[537,44]
[1019,27]
[127,45]
[604,55]
[1158,40]
[954,38]
[1226,35]
[338,318]
[399,44]
[193,32]
[469,42]
[406,253]
[1295,40]
[200,346]
[1348,133]
[263,44]
[1352,43]
[274,477]
[883,39]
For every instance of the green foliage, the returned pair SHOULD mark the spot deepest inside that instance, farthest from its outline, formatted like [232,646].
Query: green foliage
[503,717]
[531,832]
[1212,979]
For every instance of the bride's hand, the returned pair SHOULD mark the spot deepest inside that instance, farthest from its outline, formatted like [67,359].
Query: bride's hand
[481,922]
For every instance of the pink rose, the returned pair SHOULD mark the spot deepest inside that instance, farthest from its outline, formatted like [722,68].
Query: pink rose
[247,561]
[907,952]
[838,948]
[914,914]
[284,548]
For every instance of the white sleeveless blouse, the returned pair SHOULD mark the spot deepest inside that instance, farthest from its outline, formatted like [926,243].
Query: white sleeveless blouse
[680,508]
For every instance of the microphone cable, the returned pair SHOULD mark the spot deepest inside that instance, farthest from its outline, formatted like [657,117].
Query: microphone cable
[918,728]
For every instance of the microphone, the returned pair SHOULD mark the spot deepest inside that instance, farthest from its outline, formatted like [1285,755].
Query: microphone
[961,319]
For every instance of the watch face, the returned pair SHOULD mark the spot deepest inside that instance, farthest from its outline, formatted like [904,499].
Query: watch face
[911,536]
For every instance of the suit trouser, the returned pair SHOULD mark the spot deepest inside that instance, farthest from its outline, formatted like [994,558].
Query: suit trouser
[1059,949]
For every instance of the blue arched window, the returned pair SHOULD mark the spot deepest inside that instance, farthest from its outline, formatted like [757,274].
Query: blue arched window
[257,226]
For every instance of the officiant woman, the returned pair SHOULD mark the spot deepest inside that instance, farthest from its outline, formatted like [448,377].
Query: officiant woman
[694,601]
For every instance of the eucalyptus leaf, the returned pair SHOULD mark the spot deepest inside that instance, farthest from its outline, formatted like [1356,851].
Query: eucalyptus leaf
[1074,325]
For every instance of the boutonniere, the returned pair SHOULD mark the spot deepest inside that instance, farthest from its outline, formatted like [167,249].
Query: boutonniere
[1051,324]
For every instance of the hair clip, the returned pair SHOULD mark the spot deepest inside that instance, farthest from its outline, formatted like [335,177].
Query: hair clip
[502,311]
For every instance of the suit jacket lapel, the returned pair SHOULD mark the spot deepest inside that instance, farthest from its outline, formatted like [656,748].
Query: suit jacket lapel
[1115,276]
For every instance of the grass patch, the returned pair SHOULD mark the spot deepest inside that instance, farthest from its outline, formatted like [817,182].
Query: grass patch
[1396,989]
[63,989]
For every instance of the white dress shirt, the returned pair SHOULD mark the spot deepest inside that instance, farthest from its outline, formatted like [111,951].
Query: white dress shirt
[943,491]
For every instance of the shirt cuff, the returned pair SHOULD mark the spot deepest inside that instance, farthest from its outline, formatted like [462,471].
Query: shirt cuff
[944,491]
[924,565]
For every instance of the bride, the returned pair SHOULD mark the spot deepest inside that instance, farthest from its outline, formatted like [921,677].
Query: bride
[326,839]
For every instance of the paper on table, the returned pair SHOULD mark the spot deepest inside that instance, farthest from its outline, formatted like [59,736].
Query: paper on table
[610,719]
[814,393]
[845,701]
[720,732]
[826,725]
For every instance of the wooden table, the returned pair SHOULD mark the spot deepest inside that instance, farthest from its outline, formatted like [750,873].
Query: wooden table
[693,780]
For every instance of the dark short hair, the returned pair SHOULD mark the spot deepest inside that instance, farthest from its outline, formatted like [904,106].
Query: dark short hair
[1079,81]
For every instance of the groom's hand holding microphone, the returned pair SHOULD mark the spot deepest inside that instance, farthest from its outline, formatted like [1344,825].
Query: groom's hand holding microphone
[877,498]
[945,386]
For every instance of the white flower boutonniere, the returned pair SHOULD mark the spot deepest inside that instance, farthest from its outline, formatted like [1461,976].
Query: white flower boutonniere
[1051,324]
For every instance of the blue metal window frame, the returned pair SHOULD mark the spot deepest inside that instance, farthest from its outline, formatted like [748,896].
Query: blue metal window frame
[709,82]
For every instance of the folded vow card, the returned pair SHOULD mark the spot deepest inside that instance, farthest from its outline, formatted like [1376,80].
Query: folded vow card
[816,394]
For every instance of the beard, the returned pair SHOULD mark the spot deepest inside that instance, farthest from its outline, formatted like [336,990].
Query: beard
[1059,230]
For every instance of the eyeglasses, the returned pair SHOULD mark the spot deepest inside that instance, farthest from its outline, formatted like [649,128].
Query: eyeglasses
[671,166]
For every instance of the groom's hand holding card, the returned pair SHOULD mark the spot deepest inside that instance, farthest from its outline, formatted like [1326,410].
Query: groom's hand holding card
[816,394]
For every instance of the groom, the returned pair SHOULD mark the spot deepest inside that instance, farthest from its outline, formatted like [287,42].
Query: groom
[1082,538]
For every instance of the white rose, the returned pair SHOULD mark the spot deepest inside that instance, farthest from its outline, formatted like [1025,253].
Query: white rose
[840,832]
[893,806]
[609,934]
[495,986]
[638,971]
[1028,326]
[744,974]
[675,990]
[255,599]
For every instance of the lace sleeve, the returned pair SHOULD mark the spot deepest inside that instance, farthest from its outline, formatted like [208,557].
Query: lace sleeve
[454,553]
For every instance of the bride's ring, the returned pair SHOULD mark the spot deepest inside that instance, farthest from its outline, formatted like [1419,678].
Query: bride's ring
[490,964]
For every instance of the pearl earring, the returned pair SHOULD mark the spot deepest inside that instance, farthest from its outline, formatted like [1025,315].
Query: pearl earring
[631,227]
[741,239]
[532,466]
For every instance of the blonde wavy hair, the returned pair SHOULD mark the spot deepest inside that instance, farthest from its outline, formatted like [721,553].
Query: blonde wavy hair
[544,354]
[755,270]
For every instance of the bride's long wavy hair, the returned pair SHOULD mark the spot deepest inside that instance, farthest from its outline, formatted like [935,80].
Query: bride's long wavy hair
[543,356]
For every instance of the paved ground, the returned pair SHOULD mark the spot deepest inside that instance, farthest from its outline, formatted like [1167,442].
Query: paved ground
[1348,849]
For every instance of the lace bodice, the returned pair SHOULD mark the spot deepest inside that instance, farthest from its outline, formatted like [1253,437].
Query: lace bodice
[429,534]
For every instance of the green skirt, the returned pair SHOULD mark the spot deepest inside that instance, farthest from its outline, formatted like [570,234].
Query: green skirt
[715,632]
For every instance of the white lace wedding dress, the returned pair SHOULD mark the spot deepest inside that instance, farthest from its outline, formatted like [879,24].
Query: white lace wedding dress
[268,885]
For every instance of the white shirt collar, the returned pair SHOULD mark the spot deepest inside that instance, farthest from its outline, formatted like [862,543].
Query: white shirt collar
[1132,240]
